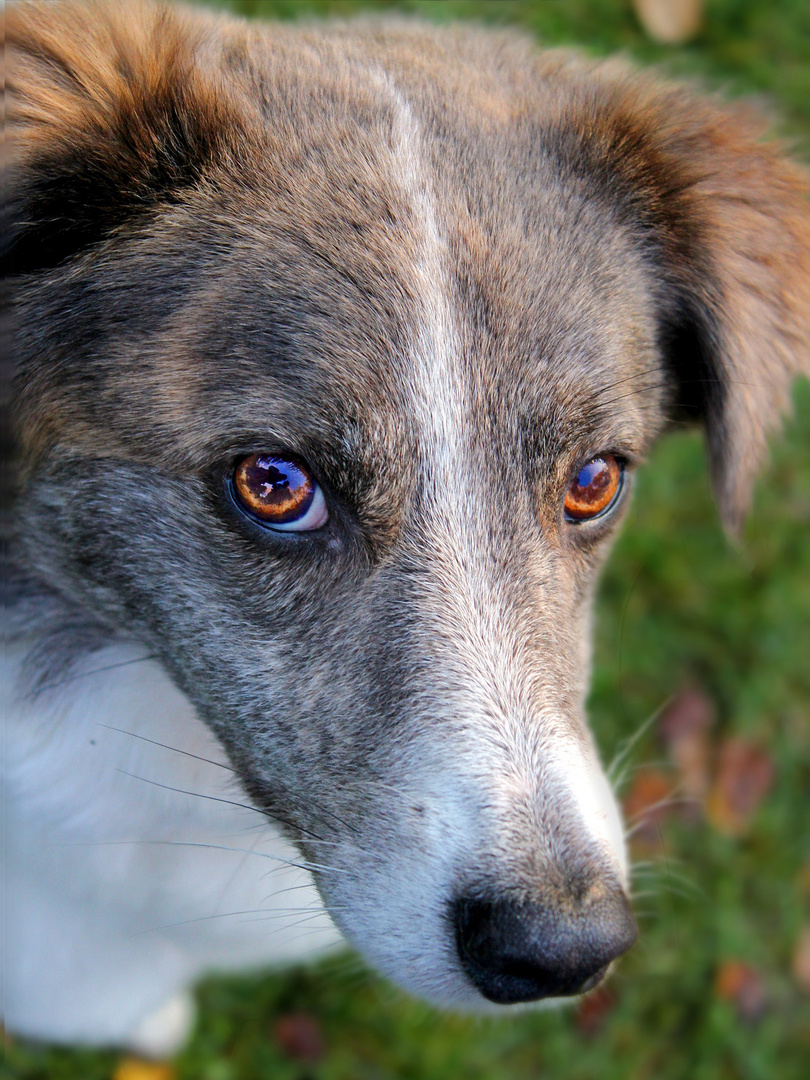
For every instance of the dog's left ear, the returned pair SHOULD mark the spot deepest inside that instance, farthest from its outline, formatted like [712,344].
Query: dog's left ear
[725,218]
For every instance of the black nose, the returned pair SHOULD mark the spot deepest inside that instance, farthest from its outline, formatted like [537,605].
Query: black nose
[523,952]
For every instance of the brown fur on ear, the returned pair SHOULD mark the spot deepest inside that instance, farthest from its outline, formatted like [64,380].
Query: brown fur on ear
[113,112]
[727,221]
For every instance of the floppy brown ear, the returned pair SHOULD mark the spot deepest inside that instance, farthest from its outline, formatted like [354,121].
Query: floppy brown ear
[725,219]
[112,112]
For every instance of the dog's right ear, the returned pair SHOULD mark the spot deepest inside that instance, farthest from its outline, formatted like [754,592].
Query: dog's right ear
[724,218]
[112,114]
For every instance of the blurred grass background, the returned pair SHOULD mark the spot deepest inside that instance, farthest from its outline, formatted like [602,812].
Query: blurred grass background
[716,636]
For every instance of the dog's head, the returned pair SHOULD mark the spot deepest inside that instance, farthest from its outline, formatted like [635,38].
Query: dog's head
[337,350]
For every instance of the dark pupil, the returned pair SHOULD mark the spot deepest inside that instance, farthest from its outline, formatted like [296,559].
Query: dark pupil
[593,480]
[280,486]
[270,479]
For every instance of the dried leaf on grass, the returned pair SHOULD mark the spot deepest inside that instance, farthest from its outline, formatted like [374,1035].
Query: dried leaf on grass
[743,986]
[300,1037]
[594,1009]
[670,22]
[801,960]
[745,775]
[684,728]
[646,804]
[725,782]
[135,1069]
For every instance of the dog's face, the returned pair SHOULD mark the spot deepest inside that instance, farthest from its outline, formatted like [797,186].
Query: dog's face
[337,353]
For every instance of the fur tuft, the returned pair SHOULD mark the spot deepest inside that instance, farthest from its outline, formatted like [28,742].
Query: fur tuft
[114,114]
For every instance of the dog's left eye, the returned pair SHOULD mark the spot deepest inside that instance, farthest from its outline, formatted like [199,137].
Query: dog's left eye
[595,489]
[280,493]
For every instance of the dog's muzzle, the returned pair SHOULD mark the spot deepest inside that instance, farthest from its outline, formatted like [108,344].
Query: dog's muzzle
[517,952]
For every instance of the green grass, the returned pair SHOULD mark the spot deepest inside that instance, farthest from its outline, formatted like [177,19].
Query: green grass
[678,607]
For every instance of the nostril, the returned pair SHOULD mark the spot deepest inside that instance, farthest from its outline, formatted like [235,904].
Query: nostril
[524,952]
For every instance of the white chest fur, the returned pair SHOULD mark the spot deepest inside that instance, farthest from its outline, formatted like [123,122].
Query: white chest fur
[131,868]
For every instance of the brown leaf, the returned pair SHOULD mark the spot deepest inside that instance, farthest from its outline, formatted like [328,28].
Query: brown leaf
[647,803]
[690,711]
[684,729]
[745,774]
[743,986]
[801,960]
[594,1008]
[300,1037]
[135,1069]
[670,22]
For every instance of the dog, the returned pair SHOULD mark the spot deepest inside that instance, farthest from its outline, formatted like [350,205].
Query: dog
[336,349]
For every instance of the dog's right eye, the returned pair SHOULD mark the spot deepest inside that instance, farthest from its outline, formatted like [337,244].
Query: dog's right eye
[594,490]
[280,493]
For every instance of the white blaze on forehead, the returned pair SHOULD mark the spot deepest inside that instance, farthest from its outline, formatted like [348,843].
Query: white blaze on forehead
[436,383]
[452,499]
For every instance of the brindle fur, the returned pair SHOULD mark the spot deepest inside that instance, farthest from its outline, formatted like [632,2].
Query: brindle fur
[445,269]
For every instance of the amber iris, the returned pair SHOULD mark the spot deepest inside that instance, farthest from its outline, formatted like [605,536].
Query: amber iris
[593,490]
[273,489]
